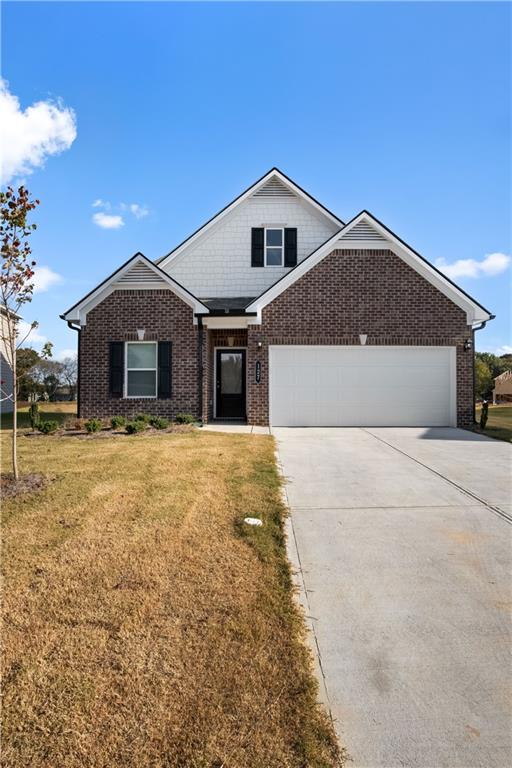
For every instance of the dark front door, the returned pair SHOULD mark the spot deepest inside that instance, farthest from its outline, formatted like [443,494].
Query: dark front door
[230,384]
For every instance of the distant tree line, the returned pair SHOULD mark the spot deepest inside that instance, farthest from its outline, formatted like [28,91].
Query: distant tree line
[487,367]
[40,377]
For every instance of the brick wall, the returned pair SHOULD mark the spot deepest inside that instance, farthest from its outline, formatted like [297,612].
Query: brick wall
[352,292]
[165,317]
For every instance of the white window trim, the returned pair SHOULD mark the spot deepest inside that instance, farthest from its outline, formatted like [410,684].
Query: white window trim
[274,246]
[126,369]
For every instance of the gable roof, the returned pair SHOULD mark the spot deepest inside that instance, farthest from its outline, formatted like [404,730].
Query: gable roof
[137,272]
[271,184]
[366,231]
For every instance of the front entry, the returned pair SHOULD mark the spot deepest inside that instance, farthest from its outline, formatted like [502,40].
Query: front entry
[230,384]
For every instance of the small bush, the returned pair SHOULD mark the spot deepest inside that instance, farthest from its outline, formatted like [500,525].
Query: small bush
[135,426]
[34,415]
[117,422]
[93,425]
[144,417]
[158,422]
[47,427]
[484,415]
[185,418]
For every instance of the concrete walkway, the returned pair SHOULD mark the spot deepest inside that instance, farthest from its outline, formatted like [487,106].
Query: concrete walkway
[405,550]
[236,429]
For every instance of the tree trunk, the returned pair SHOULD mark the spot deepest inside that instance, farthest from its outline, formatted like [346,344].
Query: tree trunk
[14,418]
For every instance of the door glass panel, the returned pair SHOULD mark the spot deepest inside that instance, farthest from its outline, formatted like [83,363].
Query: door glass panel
[231,373]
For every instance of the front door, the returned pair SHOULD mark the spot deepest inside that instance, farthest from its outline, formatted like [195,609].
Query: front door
[230,384]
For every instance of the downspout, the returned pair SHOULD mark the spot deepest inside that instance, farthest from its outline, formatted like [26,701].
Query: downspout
[78,330]
[476,328]
[200,365]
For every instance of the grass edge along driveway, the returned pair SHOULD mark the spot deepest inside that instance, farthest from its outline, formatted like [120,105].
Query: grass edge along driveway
[144,623]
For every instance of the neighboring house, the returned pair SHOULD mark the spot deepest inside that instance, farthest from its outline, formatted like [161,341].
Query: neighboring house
[278,312]
[502,392]
[6,377]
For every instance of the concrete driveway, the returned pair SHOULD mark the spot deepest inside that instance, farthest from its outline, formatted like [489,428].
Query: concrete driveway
[404,549]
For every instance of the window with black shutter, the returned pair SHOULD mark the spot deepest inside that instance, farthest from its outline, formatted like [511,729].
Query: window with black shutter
[164,369]
[258,247]
[116,378]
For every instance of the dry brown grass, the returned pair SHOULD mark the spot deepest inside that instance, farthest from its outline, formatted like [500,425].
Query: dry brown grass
[144,624]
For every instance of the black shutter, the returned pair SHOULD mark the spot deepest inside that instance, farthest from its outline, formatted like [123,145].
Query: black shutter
[290,247]
[164,369]
[257,247]
[116,368]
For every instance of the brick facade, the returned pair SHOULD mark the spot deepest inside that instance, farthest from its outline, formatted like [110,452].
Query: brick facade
[164,317]
[352,292]
[348,293]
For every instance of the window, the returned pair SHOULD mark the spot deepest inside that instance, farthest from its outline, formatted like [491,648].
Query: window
[274,247]
[141,368]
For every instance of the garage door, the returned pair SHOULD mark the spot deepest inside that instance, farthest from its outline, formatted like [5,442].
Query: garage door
[362,386]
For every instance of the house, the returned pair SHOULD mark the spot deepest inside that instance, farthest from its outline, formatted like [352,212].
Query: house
[277,311]
[6,373]
[502,392]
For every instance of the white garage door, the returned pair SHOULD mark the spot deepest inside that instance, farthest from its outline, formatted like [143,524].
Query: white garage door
[362,386]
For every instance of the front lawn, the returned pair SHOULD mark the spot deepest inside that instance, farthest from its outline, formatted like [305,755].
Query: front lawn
[499,423]
[144,623]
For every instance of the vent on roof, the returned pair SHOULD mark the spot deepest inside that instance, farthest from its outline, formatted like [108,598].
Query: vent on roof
[274,188]
[363,230]
[140,273]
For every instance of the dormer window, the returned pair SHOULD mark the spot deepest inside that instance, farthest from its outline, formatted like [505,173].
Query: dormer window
[274,247]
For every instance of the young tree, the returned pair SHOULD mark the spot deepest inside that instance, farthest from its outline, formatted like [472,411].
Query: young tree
[69,374]
[16,287]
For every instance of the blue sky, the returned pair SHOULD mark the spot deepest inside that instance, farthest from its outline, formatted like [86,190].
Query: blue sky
[400,108]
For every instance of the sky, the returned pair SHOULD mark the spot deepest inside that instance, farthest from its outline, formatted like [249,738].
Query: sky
[134,123]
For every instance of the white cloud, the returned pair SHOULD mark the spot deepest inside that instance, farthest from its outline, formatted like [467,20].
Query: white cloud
[65,353]
[106,221]
[116,221]
[29,136]
[99,203]
[44,278]
[139,211]
[506,349]
[492,264]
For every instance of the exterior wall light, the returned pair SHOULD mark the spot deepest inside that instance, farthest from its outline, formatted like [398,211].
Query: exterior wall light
[141,332]
[362,338]
[468,344]
[231,341]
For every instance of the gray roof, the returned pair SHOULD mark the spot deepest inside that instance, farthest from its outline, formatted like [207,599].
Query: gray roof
[228,303]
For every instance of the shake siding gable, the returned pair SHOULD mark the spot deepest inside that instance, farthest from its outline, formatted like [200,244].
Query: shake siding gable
[219,263]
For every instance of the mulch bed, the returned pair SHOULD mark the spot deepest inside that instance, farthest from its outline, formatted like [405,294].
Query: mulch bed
[32,483]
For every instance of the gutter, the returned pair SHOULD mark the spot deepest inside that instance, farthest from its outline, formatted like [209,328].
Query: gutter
[200,337]
[78,330]
[479,327]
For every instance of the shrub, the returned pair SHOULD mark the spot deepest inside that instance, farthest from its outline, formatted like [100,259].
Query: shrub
[117,422]
[34,415]
[158,422]
[47,427]
[135,426]
[93,425]
[484,415]
[185,418]
[144,417]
